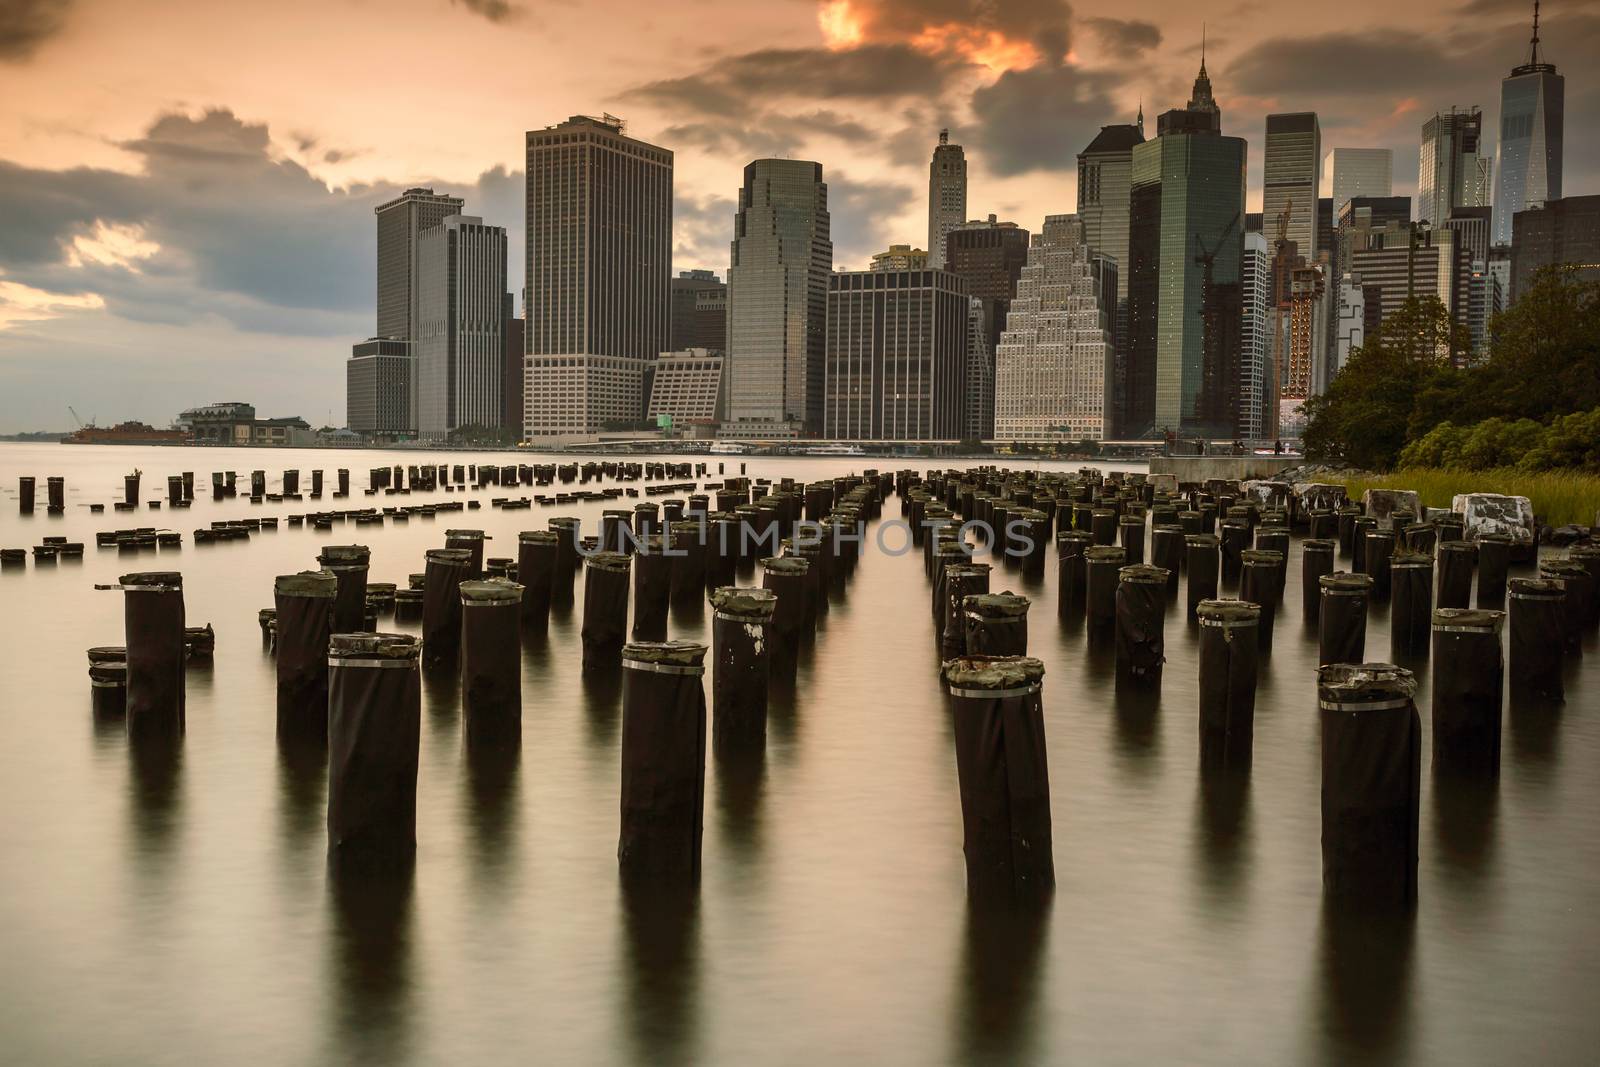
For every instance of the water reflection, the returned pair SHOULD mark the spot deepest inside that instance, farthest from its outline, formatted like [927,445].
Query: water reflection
[441,699]
[661,1013]
[1365,963]
[1001,960]
[303,786]
[1535,729]
[492,788]
[741,781]
[1465,808]
[1222,829]
[602,706]
[155,796]
[370,965]
[1137,722]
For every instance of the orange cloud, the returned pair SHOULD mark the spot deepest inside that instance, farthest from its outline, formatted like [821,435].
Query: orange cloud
[975,31]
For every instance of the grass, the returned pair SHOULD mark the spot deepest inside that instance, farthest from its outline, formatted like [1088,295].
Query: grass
[1560,498]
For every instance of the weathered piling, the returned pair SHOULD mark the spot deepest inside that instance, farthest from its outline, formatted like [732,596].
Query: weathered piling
[1468,677]
[374,732]
[786,576]
[741,636]
[948,552]
[25,490]
[1342,631]
[1101,566]
[995,624]
[1141,605]
[472,541]
[1456,560]
[304,606]
[1578,585]
[1371,784]
[961,580]
[688,565]
[1589,556]
[1131,531]
[108,681]
[446,569]
[1494,561]
[491,662]
[1538,619]
[1103,526]
[1071,579]
[663,760]
[1358,543]
[1229,658]
[1410,614]
[605,609]
[130,489]
[153,619]
[349,564]
[1261,583]
[569,531]
[1167,552]
[1316,559]
[1375,560]
[1003,772]
[652,588]
[537,552]
[55,495]
[1201,563]
[1235,540]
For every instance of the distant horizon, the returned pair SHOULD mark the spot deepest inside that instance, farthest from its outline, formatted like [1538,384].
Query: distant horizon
[185,221]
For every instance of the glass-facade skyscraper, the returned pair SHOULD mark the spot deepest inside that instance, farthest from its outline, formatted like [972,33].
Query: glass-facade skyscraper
[1452,169]
[1527,169]
[1292,175]
[460,344]
[1105,184]
[1185,305]
[781,258]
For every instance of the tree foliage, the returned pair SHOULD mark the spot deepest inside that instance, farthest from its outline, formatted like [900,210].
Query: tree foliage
[1401,400]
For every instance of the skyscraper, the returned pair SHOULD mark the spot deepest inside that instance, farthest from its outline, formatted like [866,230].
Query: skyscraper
[896,355]
[782,256]
[990,255]
[1105,182]
[1052,377]
[699,311]
[599,260]
[900,257]
[460,346]
[1453,170]
[1255,283]
[1185,241]
[1292,177]
[1527,159]
[947,195]
[378,388]
[400,224]
[1563,233]
[1351,172]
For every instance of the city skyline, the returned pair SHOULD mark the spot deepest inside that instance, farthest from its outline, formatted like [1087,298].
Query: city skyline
[176,208]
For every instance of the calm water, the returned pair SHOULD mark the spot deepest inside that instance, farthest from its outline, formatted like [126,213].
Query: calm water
[182,914]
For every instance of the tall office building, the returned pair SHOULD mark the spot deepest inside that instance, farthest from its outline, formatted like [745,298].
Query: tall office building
[1052,377]
[1349,318]
[1105,182]
[1564,233]
[699,311]
[1255,283]
[1402,261]
[378,388]
[401,222]
[599,260]
[896,355]
[990,255]
[1291,173]
[900,257]
[1351,172]
[1185,243]
[460,346]
[947,195]
[1453,170]
[782,256]
[1527,171]
[511,371]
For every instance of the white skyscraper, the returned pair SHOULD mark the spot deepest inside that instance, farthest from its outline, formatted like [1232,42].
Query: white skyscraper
[1453,170]
[1053,366]
[1351,172]
[1527,158]
[460,346]
[1255,275]
[947,195]
[1349,324]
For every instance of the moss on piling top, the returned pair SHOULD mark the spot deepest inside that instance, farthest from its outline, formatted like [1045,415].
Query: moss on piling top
[1007,605]
[1106,554]
[306,583]
[754,604]
[344,554]
[1346,582]
[785,565]
[374,646]
[459,556]
[1477,618]
[539,537]
[1269,556]
[1228,610]
[992,672]
[1355,683]
[674,653]
[608,561]
[491,591]
[1144,572]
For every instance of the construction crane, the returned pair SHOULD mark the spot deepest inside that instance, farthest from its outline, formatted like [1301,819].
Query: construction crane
[75,417]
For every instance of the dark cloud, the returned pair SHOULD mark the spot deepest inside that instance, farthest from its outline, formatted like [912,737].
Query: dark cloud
[1038,119]
[863,216]
[740,87]
[493,10]
[26,24]
[252,239]
[702,229]
[1124,37]
[770,134]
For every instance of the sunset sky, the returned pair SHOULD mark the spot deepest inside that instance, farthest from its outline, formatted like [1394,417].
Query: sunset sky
[186,186]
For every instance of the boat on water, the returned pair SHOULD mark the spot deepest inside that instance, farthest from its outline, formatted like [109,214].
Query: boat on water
[836,450]
[728,448]
[126,433]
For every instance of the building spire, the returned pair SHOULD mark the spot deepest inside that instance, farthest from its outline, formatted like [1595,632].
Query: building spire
[944,136]
[1141,113]
[1201,99]
[1203,38]
[1533,58]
